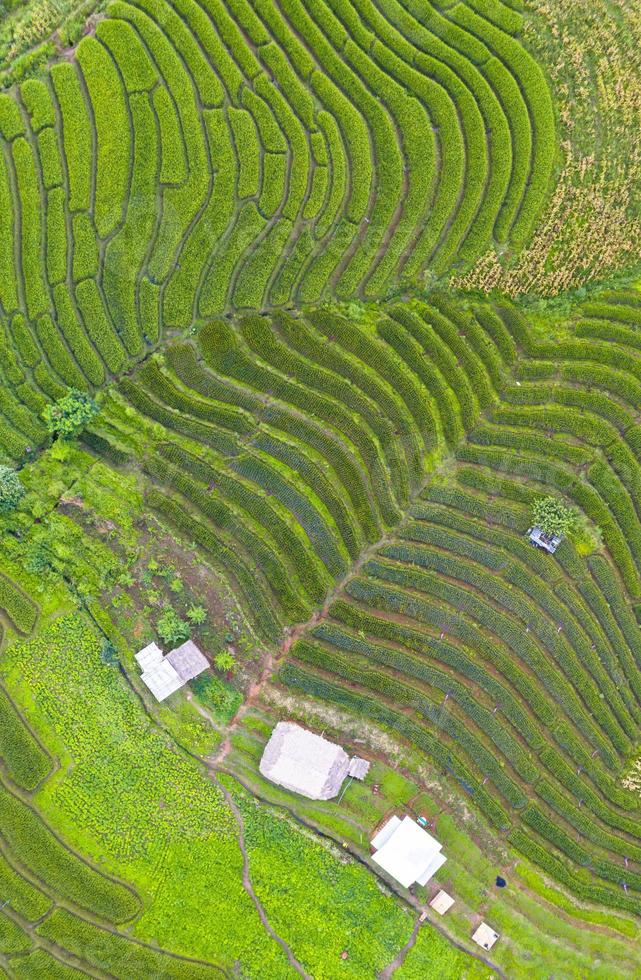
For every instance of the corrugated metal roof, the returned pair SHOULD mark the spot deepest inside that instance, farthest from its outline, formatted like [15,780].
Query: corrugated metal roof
[148,656]
[162,680]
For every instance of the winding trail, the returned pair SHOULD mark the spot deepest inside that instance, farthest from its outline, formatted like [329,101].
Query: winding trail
[399,959]
[249,888]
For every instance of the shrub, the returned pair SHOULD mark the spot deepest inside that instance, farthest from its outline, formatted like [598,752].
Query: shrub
[11,489]
[70,414]
[171,628]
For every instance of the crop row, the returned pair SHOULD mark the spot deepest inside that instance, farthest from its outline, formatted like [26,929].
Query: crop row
[254,154]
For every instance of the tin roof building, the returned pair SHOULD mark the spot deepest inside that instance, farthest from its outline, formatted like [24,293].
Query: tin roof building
[549,542]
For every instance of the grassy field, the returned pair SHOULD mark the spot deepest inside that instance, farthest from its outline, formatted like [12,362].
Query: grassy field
[352,284]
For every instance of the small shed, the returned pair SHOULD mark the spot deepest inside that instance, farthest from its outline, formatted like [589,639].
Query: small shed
[358,768]
[485,936]
[303,762]
[164,675]
[549,542]
[188,661]
[407,852]
[149,656]
[441,902]
[162,679]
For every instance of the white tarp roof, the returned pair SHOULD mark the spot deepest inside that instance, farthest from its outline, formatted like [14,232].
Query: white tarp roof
[304,762]
[409,854]
[485,936]
[441,902]
[162,680]
[386,832]
[148,656]
[437,861]
[187,660]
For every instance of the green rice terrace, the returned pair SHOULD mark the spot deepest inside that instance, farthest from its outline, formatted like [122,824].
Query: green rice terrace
[315,318]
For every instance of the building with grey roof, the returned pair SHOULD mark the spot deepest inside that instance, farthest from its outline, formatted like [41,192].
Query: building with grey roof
[187,661]
[306,763]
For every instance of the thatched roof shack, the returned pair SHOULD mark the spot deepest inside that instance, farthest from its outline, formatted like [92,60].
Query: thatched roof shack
[305,763]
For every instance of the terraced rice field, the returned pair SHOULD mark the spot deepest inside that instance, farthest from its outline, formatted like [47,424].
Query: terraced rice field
[311,457]
[195,158]
[233,224]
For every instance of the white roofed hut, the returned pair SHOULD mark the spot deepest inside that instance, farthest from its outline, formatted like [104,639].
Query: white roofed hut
[407,852]
[485,936]
[306,763]
[164,675]
[162,679]
[441,902]
[149,656]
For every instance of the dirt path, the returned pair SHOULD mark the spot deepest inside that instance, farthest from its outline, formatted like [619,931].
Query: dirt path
[249,888]
[399,959]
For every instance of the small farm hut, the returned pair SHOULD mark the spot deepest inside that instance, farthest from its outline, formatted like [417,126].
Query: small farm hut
[306,763]
[164,675]
[407,852]
[485,936]
[441,902]
[549,542]
[187,661]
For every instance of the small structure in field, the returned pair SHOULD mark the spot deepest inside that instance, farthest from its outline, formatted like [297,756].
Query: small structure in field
[407,852]
[549,542]
[187,661]
[442,902]
[305,763]
[164,675]
[485,936]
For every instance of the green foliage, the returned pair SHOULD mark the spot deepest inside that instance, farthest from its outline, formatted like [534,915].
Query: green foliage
[197,615]
[553,517]
[171,628]
[70,414]
[225,660]
[11,489]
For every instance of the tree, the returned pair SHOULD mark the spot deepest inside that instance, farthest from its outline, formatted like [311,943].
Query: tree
[171,628]
[70,414]
[11,489]
[553,517]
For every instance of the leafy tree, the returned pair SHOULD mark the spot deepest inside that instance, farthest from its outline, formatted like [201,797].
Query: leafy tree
[171,628]
[11,489]
[225,660]
[553,517]
[70,414]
